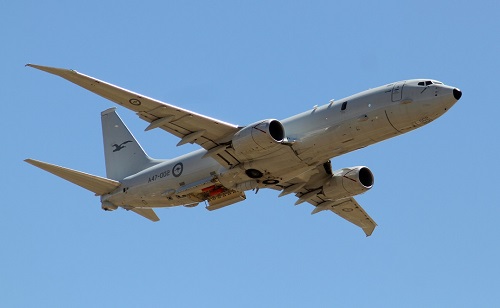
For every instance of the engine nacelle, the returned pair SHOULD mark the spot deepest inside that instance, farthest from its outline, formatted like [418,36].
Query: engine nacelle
[348,182]
[108,206]
[258,137]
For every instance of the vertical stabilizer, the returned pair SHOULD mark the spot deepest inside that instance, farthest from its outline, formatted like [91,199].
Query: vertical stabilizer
[123,154]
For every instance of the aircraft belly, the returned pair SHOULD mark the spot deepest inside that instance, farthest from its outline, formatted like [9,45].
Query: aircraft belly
[158,186]
[158,202]
[155,195]
[281,165]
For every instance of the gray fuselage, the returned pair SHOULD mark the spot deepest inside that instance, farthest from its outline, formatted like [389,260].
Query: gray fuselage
[312,137]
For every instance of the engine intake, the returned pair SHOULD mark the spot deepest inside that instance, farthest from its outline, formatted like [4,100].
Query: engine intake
[259,137]
[348,182]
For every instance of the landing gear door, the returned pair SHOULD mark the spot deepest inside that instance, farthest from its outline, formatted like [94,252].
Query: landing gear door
[397,91]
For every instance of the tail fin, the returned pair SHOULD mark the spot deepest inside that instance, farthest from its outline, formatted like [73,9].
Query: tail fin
[124,156]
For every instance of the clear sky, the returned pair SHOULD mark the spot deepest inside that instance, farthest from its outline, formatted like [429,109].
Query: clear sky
[435,198]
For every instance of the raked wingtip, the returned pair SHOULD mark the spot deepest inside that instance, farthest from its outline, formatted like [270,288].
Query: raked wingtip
[49,69]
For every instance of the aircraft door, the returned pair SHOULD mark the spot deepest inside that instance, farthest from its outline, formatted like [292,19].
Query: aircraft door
[397,91]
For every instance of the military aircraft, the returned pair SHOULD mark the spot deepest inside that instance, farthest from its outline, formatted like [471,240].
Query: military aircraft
[290,155]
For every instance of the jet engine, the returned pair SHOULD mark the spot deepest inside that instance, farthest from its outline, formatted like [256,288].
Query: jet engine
[348,182]
[258,137]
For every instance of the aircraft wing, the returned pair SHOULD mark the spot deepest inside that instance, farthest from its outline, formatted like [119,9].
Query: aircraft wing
[308,189]
[209,133]
[99,185]
[350,210]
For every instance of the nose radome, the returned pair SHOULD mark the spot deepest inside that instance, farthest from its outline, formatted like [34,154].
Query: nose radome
[457,93]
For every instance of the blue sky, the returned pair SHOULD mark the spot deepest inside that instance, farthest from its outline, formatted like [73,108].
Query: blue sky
[435,198]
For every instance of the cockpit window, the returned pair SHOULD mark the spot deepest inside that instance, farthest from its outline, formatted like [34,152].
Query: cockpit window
[425,83]
[428,82]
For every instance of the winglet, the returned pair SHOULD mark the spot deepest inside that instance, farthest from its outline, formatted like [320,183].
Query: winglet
[48,69]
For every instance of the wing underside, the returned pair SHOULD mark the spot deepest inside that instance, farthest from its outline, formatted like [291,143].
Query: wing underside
[308,189]
[96,184]
[211,134]
[350,210]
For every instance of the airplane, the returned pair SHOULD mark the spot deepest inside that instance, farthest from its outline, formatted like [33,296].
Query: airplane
[292,155]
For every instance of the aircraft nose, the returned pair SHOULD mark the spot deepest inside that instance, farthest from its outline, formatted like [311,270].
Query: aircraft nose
[457,93]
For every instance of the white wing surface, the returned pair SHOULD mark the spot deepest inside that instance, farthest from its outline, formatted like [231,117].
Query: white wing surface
[308,189]
[99,185]
[209,133]
[350,210]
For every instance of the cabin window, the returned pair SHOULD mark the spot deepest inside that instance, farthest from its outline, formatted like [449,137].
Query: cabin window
[344,106]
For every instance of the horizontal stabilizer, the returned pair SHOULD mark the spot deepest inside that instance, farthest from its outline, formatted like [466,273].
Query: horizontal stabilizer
[148,213]
[99,185]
